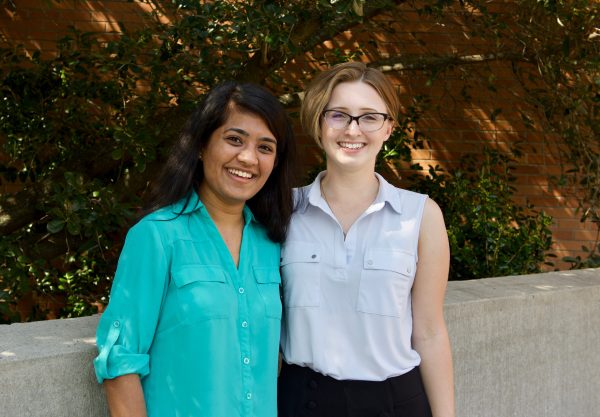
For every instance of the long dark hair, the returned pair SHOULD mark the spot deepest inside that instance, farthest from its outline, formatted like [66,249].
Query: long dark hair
[183,172]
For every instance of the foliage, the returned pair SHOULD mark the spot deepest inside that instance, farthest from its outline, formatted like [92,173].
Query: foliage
[68,131]
[554,49]
[489,234]
[83,133]
[591,260]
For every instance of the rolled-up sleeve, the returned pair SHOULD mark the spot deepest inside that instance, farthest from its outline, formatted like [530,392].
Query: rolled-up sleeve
[127,327]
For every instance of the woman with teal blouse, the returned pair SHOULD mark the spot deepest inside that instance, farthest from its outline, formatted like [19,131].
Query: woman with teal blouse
[192,326]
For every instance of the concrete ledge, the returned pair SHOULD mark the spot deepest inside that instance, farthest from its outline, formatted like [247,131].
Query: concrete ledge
[46,369]
[527,346]
[523,346]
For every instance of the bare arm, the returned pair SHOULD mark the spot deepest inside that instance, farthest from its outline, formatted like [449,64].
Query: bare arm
[430,336]
[125,396]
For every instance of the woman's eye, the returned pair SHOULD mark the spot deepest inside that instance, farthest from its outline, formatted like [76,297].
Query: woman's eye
[337,116]
[234,139]
[369,118]
[266,149]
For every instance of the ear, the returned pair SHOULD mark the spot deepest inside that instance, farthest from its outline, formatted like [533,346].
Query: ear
[388,130]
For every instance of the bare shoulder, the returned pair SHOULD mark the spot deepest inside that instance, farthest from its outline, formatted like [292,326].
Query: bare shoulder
[433,218]
[434,254]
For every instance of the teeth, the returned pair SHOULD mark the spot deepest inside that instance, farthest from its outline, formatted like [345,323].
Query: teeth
[240,173]
[351,145]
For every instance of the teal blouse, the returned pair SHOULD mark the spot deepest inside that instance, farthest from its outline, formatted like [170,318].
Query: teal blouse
[202,334]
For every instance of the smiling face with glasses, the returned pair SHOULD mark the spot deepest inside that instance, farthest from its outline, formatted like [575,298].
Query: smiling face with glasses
[354,126]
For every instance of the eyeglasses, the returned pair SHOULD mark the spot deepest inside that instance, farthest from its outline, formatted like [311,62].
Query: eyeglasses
[367,122]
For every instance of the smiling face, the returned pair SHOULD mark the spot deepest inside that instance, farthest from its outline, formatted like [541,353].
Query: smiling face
[238,159]
[350,147]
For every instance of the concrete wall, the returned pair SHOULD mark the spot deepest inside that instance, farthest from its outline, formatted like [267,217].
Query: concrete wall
[527,346]
[46,369]
[524,346]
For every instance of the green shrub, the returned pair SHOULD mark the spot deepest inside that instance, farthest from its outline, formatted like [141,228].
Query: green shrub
[489,234]
[80,141]
[591,260]
[84,132]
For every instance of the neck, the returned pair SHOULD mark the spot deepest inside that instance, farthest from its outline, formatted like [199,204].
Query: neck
[350,186]
[222,214]
[229,220]
[349,195]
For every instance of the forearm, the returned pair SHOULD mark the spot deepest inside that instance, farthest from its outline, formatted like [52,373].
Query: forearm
[125,396]
[437,373]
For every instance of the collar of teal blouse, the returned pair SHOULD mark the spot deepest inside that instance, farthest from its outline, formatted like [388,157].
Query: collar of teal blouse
[192,203]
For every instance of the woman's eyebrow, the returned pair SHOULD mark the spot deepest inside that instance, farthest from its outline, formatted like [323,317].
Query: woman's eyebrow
[238,130]
[363,109]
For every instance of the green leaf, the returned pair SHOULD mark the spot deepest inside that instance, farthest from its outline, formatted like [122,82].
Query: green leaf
[73,228]
[117,154]
[55,226]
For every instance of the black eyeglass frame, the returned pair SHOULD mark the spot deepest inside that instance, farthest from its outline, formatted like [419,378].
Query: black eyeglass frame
[357,118]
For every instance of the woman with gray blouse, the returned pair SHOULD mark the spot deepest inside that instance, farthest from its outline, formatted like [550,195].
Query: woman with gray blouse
[364,270]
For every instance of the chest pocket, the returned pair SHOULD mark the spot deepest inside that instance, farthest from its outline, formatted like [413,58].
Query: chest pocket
[268,280]
[385,282]
[202,292]
[301,274]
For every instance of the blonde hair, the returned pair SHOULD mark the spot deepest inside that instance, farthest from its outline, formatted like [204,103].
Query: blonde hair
[319,91]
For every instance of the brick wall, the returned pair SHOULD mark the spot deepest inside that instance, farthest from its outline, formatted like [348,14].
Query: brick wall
[38,24]
[453,124]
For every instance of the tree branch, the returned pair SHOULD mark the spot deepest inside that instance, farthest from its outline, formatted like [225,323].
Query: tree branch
[423,62]
[306,35]
[17,211]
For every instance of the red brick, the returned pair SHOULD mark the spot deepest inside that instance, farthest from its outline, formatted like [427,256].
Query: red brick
[44,15]
[584,235]
[420,154]
[570,224]
[90,26]
[572,246]
[563,235]
[68,17]
[534,157]
[540,201]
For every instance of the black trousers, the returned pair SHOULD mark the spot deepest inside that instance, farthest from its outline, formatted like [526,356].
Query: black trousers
[302,392]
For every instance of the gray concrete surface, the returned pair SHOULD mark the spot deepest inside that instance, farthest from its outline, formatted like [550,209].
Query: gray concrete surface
[527,346]
[524,346]
[46,369]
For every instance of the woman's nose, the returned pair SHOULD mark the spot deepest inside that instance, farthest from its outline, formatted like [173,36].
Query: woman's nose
[353,127]
[247,156]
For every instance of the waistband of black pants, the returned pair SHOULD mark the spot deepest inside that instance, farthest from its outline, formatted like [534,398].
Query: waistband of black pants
[406,385]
